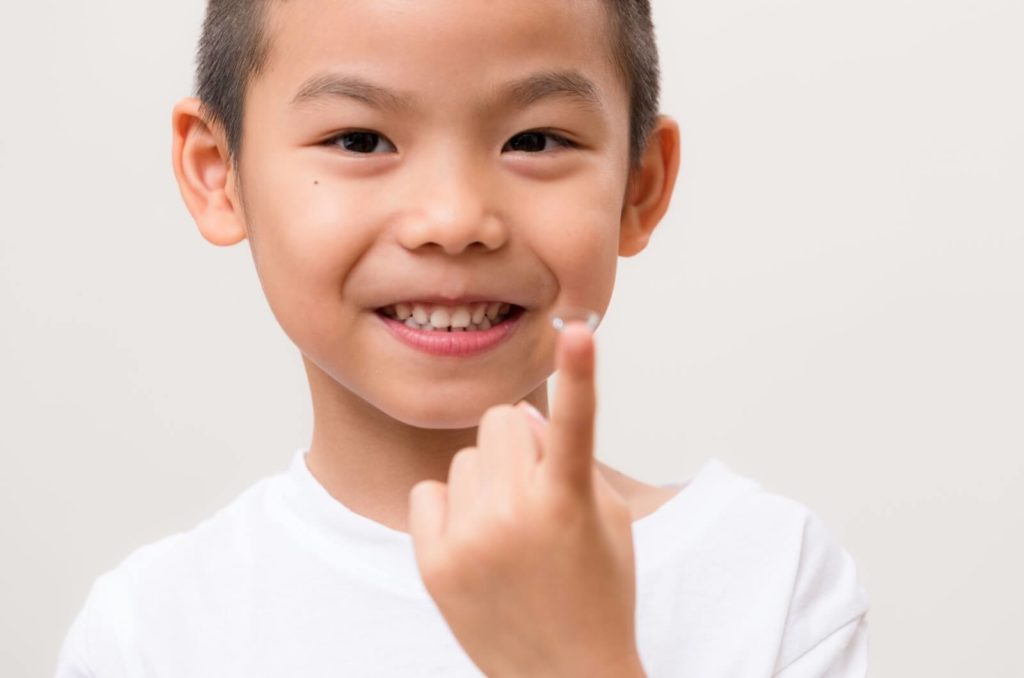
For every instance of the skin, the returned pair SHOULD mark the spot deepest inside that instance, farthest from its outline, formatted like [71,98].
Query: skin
[514,545]
[444,206]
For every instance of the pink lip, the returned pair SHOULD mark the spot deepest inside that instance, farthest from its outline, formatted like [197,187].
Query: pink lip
[436,342]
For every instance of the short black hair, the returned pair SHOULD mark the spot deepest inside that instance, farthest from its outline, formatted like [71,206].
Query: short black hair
[234,45]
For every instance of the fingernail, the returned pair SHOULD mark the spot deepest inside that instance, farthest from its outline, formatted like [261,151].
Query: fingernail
[561,320]
[533,412]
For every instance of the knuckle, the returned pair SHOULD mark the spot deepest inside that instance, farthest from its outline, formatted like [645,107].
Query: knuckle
[464,455]
[479,541]
[460,460]
[496,414]
[504,522]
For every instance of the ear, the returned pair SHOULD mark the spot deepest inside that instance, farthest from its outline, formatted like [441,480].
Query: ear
[205,176]
[650,187]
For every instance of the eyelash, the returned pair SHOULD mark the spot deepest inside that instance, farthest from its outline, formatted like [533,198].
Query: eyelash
[559,140]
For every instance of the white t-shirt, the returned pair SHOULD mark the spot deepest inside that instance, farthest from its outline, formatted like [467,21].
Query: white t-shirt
[286,581]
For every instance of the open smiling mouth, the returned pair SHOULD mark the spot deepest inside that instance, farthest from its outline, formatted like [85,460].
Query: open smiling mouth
[475,317]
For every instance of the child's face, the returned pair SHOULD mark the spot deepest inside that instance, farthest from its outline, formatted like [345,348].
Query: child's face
[450,200]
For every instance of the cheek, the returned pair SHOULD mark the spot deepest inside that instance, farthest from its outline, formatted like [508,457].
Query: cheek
[576,233]
[307,231]
[305,237]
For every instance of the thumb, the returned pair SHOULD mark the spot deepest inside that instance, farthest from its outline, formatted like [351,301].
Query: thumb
[428,507]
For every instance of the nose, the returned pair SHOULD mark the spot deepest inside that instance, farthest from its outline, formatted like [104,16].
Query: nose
[452,211]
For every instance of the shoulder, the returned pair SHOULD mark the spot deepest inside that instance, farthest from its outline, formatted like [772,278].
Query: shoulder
[828,604]
[223,534]
[757,569]
[156,575]
[95,643]
[793,552]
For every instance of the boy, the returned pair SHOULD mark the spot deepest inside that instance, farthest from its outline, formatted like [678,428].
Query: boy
[424,186]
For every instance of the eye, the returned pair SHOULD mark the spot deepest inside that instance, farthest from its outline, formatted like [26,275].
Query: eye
[535,141]
[361,141]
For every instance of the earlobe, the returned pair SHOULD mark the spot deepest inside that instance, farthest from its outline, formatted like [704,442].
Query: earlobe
[204,174]
[650,188]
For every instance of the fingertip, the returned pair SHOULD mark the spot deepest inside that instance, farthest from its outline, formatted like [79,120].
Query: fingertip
[577,344]
[578,328]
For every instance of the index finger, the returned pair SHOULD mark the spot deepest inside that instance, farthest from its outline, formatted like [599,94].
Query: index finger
[569,455]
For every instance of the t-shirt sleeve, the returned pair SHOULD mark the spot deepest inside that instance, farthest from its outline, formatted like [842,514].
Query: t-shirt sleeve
[842,654]
[826,626]
[73,659]
[90,646]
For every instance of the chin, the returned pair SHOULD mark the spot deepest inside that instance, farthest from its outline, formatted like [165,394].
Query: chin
[441,415]
[441,411]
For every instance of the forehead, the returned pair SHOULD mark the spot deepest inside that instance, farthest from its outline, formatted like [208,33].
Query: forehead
[453,52]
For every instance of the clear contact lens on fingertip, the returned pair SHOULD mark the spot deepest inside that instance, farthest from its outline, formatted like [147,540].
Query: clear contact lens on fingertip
[564,316]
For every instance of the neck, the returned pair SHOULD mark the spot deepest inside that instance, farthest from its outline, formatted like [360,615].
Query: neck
[368,460]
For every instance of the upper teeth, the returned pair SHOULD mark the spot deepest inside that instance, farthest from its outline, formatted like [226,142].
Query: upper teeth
[478,316]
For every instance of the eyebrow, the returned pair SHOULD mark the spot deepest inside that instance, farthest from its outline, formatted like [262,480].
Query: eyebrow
[569,84]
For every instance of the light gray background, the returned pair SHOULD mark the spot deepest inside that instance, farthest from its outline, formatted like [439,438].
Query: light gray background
[833,306]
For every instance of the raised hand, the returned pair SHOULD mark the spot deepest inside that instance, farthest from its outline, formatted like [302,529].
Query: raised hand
[527,550]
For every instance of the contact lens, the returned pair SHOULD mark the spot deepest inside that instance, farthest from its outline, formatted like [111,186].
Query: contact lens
[565,316]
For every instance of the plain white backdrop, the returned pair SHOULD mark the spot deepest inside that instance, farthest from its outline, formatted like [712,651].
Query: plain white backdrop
[832,306]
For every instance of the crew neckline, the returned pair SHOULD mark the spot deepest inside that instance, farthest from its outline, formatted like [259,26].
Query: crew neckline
[355,542]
